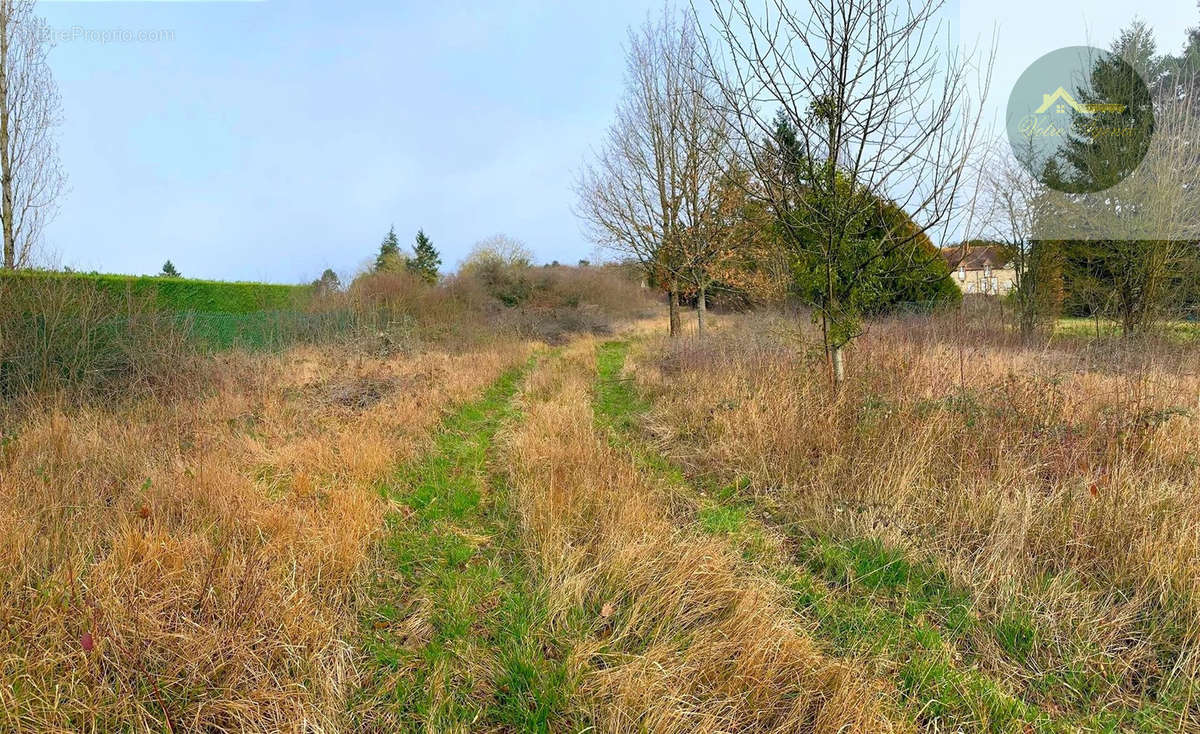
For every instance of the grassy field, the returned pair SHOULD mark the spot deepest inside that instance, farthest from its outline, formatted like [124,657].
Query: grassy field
[617,533]
[200,564]
[903,617]
[1184,331]
[1013,552]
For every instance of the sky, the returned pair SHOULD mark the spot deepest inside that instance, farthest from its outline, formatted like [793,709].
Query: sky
[271,140]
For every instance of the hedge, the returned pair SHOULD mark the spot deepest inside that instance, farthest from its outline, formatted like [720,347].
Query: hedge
[183,294]
[268,330]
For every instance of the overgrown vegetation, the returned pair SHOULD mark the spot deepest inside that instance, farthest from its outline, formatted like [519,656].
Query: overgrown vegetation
[496,499]
[190,533]
[110,336]
[1004,536]
[665,627]
[628,535]
[199,561]
[73,338]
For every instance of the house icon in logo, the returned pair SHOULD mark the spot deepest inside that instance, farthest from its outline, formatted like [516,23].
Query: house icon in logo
[1062,98]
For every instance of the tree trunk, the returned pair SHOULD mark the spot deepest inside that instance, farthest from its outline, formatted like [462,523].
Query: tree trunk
[674,308]
[825,344]
[701,312]
[6,174]
[839,367]
[1027,303]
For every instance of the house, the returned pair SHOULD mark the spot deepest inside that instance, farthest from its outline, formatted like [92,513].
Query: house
[983,269]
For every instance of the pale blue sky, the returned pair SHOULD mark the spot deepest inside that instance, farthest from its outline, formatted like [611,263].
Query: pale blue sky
[269,140]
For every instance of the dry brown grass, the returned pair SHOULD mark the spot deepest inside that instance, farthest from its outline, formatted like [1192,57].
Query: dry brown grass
[1060,478]
[679,634]
[197,562]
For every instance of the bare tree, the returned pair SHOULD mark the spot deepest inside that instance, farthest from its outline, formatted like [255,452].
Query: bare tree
[31,178]
[706,233]
[849,112]
[1010,197]
[501,249]
[652,184]
[1173,164]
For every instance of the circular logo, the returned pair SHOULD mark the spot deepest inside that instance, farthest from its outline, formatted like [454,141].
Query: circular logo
[1080,119]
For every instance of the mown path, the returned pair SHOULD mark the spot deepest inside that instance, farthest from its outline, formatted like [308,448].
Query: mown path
[457,637]
[452,638]
[872,603]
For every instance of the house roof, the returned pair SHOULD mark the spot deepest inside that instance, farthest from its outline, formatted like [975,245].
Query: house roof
[976,257]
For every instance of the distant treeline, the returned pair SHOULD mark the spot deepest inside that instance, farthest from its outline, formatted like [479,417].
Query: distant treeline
[180,294]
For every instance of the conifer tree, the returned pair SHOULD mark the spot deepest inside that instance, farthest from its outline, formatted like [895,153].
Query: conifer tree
[389,257]
[1131,279]
[425,259]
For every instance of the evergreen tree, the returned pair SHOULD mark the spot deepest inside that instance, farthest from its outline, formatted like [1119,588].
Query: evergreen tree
[882,261]
[389,258]
[1129,279]
[1182,73]
[1096,157]
[169,271]
[329,282]
[425,260]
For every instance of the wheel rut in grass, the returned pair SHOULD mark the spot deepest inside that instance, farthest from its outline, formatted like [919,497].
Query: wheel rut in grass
[451,638]
[870,602]
[664,631]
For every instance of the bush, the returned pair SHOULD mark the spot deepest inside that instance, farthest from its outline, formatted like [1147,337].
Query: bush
[491,295]
[74,335]
[613,288]
[616,290]
[509,284]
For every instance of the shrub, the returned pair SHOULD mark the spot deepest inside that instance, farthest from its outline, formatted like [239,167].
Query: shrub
[502,265]
[615,290]
[498,249]
[493,295]
[78,337]
[509,284]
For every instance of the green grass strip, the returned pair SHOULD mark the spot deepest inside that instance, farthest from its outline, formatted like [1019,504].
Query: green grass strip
[454,641]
